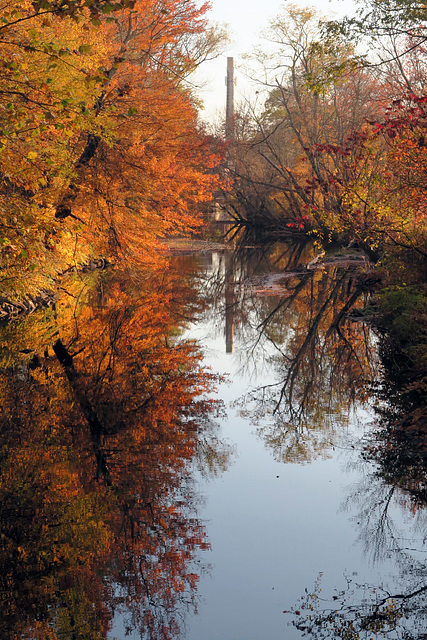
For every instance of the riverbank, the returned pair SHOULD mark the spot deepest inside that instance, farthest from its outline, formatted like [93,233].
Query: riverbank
[187,246]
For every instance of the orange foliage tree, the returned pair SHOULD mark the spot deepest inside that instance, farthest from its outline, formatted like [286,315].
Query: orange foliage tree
[100,146]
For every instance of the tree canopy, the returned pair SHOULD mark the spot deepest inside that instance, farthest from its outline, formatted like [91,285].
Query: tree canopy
[101,150]
[336,150]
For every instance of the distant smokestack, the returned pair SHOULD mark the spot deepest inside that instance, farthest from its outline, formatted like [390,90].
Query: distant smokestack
[229,112]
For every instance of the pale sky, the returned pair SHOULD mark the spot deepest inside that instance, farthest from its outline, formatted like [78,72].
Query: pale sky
[244,25]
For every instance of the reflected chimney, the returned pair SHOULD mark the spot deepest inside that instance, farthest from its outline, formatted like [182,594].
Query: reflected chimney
[229,304]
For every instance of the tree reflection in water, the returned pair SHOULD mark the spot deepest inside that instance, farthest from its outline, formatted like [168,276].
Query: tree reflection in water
[292,315]
[104,409]
[300,321]
[391,498]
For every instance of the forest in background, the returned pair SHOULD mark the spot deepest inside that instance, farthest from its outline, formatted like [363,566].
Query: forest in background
[337,150]
[333,148]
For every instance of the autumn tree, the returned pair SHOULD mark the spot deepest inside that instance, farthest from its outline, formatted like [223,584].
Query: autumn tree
[378,180]
[382,163]
[305,109]
[336,151]
[376,19]
[91,88]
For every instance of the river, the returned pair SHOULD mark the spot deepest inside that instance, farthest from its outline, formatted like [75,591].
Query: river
[202,452]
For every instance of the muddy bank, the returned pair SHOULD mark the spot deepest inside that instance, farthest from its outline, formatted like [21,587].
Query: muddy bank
[187,246]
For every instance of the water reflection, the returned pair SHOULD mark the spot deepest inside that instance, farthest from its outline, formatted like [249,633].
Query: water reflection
[299,330]
[107,411]
[104,410]
[292,317]
[319,360]
[390,505]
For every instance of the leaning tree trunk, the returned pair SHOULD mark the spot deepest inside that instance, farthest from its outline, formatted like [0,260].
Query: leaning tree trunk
[64,207]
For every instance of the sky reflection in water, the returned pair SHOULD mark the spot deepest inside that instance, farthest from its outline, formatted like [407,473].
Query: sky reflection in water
[275,527]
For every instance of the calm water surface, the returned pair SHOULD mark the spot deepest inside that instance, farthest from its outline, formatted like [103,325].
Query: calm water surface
[265,492]
[279,521]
